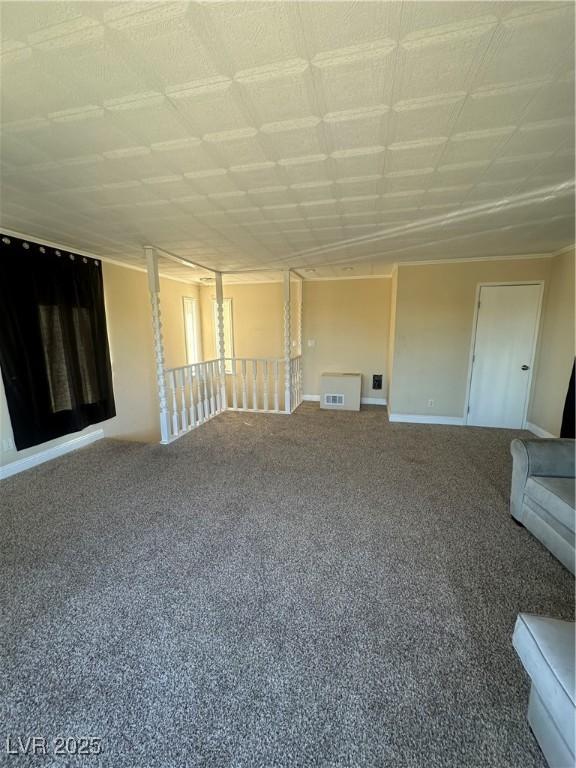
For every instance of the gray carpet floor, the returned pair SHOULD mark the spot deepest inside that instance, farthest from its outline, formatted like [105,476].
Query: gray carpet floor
[326,589]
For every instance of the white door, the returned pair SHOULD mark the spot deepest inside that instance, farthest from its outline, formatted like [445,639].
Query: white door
[506,329]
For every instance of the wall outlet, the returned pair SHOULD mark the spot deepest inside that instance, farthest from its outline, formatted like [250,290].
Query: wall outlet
[377,381]
[7,444]
[430,403]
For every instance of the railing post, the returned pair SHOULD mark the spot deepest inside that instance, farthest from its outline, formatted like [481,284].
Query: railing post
[154,288]
[287,344]
[220,339]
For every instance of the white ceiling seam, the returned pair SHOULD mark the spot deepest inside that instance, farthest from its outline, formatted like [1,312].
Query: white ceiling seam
[218,125]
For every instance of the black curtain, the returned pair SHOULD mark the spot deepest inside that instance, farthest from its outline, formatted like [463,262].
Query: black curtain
[53,342]
[568,425]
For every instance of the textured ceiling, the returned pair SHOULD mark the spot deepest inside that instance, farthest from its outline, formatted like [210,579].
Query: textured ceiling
[265,135]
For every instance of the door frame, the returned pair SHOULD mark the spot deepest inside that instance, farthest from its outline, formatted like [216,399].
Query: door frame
[496,283]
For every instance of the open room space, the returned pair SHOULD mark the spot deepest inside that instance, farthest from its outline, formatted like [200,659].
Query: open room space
[287,343]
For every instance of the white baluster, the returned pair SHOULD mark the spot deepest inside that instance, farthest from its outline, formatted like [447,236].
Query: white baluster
[255,384]
[172,380]
[217,385]
[205,388]
[183,406]
[200,397]
[234,393]
[244,391]
[190,381]
[265,385]
[276,386]
[212,398]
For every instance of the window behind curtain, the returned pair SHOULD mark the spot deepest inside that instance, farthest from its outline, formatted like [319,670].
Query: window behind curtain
[53,342]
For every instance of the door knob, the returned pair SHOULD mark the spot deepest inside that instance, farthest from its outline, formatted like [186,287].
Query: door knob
[525,368]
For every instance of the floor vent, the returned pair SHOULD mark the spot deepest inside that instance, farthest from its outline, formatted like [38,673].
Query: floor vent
[334,399]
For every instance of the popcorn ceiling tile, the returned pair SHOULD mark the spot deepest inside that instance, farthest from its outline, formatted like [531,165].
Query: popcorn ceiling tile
[278,97]
[76,65]
[518,53]
[329,26]
[293,141]
[414,155]
[531,138]
[210,111]
[351,187]
[515,167]
[181,122]
[210,184]
[300,173]
[419,18]
[253,34]
[491,108]
[426,67]
[420,179]
[365,164]
[246,151]
[192,158]
[358,133]
[453,195]
[417,119]
[255,175]
[21,21]
[174,54]
[20,151]
[473,146]
[349,85]
[307,193]
[148,125]
[553,101]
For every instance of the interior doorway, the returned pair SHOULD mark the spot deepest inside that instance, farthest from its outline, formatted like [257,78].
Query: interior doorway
[504,343]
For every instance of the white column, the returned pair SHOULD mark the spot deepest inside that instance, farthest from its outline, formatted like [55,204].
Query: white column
[287,344]
[220,339]
[300,294]
[154,288]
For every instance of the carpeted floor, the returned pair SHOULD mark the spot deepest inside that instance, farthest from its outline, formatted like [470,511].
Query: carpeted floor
[325,590]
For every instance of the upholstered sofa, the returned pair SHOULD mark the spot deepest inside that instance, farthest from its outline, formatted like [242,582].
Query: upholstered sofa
[546,648]
[542,494]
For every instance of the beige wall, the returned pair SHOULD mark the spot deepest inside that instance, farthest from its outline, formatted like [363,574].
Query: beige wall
[434,318]
[392,329]
[556,348]
[348,321]
[131,347]
[129,325]
[257,319]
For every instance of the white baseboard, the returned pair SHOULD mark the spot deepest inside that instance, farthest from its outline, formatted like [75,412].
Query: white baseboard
[412,418]
[538,431]
[363,400]
[14,467]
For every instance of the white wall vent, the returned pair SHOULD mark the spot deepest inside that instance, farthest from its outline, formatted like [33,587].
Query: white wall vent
[340,391]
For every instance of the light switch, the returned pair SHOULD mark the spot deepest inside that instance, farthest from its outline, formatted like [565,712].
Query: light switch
[311,342]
